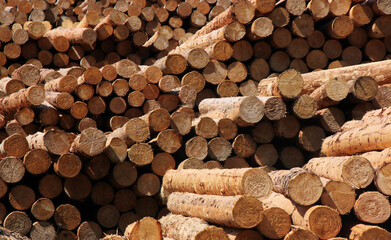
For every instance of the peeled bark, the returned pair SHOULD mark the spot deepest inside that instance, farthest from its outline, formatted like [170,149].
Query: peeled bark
[232,211]
[367,138]
[355,171]
[226,182]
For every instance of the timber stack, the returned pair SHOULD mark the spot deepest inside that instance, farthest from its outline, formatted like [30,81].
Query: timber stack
[195,119]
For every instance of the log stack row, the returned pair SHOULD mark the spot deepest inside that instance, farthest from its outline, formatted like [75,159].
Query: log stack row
[99,99]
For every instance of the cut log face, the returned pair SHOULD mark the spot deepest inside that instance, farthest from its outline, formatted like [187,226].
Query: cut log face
[379,212]
[187,228]
[314,219]
[304,188]
[362,231]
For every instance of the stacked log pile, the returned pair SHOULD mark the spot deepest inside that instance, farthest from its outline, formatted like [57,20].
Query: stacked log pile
[249,119]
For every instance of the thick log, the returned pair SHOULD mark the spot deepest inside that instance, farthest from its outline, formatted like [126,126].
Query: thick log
[56,142]
[17,222]
[338,195]
[333,91]
[356,171]
[303,187]
[145,227]
[362,231]
[32,96]
[37,161]
[225,182]
[9,85]
[376,70]
[67,216]
[15,145]
[239,109]
[241,234]
[313,219]
[367,138]
[380,162]
[187,228]
[380,212]
[300,233]
[288,84]
[43,209]
[275,223]
[231,211]
[90,142]
[135,130]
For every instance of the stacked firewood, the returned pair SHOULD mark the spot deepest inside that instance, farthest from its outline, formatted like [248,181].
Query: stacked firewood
[101,99]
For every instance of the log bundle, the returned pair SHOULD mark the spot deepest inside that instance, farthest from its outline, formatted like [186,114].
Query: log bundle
[196,119]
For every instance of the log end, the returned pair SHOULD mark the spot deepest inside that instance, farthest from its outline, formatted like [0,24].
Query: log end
[357,172]
[275,224]
[305,188]
[362,232]
[244,11]
[383,179]
[116,150]
[372,207]
[300,233]
[145,227]
[247,212]
[290,83]
[257,183]
[305,107]
[15,145]
[211,232]
[92,142]
[251,110]
[336,89]
[339,196]
[275,108]
[57,142]
[176,64]
[365,88]
[137,129]
[36,95]
[89,36]
[140,154]
[324,221]
[64,100]
[67,84]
